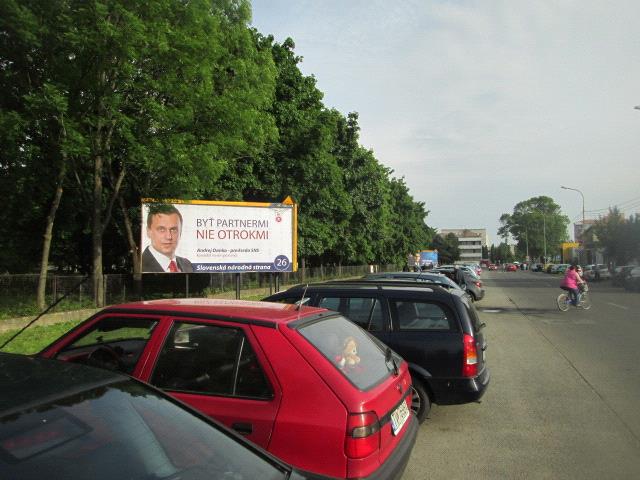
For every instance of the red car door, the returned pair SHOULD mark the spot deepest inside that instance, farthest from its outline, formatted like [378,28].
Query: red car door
[218,368]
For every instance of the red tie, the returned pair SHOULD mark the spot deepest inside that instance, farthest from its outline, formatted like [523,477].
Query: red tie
[172,266]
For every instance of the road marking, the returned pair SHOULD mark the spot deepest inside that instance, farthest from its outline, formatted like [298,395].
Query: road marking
[616,305]
[490,311]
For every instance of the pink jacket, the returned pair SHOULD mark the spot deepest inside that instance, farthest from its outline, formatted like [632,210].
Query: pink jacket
[570,279]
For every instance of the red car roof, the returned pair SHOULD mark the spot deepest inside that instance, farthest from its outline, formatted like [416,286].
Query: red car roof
[250,310]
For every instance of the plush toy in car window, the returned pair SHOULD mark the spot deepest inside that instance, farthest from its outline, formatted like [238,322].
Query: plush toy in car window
[349,356]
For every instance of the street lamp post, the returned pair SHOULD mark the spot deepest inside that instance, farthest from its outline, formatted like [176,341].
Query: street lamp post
[544,236]
[576,190]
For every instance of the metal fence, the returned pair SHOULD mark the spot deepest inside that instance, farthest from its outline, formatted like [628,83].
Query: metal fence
[18,292]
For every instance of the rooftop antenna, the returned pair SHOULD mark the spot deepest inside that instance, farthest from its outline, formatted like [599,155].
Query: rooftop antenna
[44,311]
[304,293]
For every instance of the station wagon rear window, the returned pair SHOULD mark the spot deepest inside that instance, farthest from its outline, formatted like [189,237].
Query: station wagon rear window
[350,349]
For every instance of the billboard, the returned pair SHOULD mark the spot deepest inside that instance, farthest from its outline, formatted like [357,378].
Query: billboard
[429,258]
[218,237]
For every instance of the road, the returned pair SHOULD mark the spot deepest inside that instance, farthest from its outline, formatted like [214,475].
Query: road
[564,398]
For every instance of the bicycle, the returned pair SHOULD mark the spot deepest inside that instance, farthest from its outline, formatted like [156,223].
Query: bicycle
[564,299]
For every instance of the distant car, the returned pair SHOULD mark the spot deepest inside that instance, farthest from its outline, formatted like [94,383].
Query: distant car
[59,420]
[510,267]
[620,274]
[492,266]
[470,282]
[560,268]
[537,267]
[304,383]
[596,272]
[436,330]
[632,280]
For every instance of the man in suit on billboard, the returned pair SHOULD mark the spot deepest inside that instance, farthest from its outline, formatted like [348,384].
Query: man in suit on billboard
[164,227]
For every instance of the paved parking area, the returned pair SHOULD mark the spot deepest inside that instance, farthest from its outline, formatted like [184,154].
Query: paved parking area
[542,416]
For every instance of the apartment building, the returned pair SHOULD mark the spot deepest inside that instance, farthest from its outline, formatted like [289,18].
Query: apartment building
[470,241]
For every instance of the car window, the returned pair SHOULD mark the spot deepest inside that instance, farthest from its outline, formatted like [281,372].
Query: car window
[122,431]
[420,315]
[210,359]
[365,311]
[125,338]
[350,349]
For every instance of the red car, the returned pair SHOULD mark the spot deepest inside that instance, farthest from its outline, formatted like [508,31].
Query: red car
[304,383]
[510,267]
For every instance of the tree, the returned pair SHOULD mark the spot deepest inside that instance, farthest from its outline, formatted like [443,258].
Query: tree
[537,225]
[618,236]
[129,98]
[448,248]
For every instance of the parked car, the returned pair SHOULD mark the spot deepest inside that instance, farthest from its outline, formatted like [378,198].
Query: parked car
[510,267]
[620,274]
[304,383]
[426,277]
[632,280]
[492,266]
[596,272]
[64,421]
[470,282]
[436,330]
[559,268]
[537,267]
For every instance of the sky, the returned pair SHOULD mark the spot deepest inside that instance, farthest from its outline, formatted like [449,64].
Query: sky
[482,104]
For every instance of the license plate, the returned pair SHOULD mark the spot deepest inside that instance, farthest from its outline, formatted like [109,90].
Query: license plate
[398,417]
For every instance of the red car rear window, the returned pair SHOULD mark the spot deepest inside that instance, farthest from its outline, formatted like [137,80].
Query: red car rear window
[350,349]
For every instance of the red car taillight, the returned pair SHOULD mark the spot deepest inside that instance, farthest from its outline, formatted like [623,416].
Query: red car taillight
[363,435]
[479,284]
[469,356]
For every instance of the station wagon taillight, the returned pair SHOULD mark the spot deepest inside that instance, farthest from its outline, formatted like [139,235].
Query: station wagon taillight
[363,435]
[469,356]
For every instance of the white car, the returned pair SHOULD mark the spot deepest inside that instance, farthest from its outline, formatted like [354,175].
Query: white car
[596,272]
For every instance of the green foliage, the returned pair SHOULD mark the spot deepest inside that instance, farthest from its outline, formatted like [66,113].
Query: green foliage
[124,100]
[537,225]
[448,248]
[618,236]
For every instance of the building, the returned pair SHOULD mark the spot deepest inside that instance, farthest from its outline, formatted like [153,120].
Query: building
[470,241]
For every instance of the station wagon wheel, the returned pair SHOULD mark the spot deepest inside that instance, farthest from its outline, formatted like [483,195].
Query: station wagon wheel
[420,402]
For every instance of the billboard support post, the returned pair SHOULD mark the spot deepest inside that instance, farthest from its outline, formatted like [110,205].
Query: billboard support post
[237,286]
[186,286]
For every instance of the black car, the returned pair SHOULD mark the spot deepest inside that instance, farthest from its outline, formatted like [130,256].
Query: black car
[436,330]
[61,420]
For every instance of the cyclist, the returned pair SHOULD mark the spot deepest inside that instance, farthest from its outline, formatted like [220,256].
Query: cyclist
[571,283]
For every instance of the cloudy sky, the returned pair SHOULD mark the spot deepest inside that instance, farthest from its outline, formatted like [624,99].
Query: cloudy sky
[481,104]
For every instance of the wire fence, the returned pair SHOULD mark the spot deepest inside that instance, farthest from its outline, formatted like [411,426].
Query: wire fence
[18,292]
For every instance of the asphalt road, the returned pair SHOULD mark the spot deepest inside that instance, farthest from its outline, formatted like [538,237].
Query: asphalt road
[564,398]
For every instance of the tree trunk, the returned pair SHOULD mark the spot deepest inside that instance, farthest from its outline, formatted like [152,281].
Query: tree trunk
[96,234]
[133,248]
[48,235]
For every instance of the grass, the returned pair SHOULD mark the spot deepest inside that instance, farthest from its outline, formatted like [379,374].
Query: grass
[20,307]
[36,338]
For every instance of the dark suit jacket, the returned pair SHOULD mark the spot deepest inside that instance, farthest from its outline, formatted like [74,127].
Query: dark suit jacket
[150,264]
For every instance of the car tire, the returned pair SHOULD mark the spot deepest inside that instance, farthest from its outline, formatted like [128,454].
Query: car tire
[420,401]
